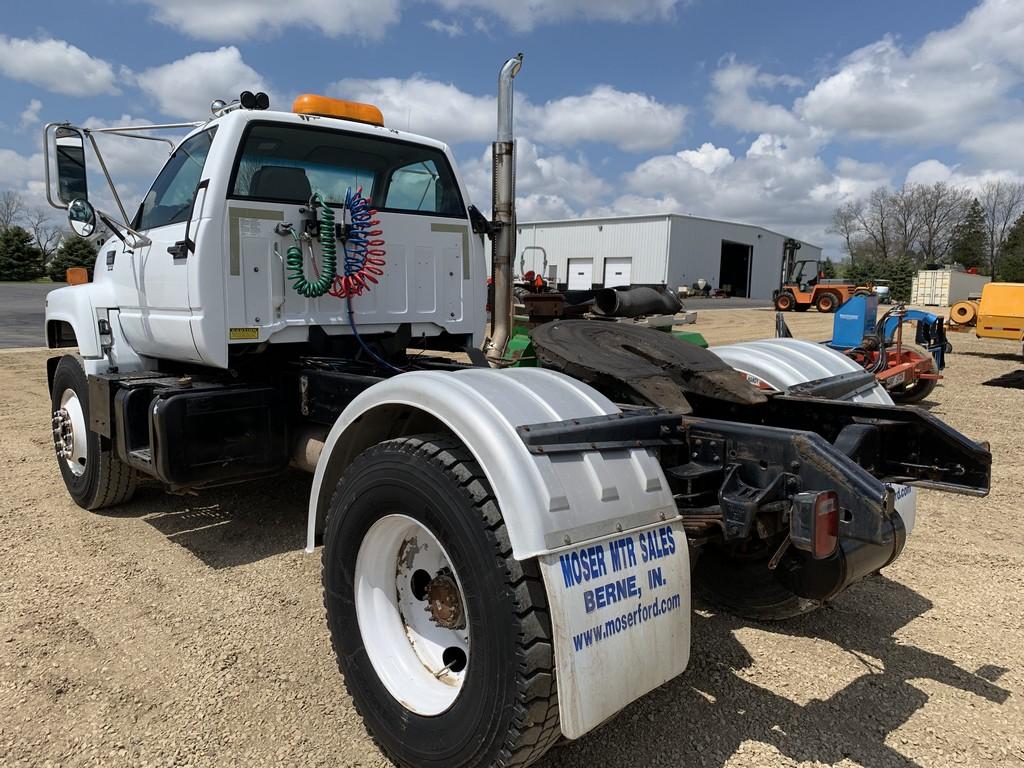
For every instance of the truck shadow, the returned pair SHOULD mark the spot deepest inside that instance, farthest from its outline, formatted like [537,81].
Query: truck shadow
[230,526]
[705,715]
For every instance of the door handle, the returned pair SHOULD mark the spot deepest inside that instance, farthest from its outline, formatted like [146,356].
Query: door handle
[179,250]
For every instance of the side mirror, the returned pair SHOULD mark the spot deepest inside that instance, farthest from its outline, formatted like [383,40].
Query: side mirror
[70,153]
[82,217]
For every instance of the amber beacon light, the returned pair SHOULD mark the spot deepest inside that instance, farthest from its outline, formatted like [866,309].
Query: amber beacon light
[311,104]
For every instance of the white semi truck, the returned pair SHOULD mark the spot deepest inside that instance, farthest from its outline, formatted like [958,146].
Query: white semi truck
[507,551]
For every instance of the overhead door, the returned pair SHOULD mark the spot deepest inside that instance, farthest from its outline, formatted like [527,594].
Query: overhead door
[581,274]
[617,271]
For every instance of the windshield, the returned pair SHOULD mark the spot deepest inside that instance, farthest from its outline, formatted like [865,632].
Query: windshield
[288,163]
[170,199]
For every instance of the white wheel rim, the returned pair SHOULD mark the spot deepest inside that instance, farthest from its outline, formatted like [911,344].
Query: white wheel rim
[69,432]
[421,662]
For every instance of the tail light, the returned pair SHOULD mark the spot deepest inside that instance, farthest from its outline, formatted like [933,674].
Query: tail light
[814,523]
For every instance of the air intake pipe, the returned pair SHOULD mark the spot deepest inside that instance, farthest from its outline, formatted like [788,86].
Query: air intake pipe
[503,217]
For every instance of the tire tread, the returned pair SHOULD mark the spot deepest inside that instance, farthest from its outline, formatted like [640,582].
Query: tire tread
[535,725]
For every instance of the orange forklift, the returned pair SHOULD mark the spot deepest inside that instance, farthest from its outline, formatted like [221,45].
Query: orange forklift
[803,284]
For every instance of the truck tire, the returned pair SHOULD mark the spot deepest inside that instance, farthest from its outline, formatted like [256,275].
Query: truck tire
[921,388]
[743,585]
[828,302]
[93,474]
[419,578]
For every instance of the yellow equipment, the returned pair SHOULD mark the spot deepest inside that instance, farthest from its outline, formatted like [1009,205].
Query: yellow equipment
[1001,312]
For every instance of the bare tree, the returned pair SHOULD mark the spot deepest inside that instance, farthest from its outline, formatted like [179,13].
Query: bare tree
[940,208]
[846,224]
[1002,202]
[12,208]
[876,222]
[905,216]
[44,230]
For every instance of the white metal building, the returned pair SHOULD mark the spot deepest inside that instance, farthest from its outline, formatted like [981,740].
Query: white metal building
[662,250]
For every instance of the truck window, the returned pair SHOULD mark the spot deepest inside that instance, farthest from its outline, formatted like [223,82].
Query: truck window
[287,163]
[170,199]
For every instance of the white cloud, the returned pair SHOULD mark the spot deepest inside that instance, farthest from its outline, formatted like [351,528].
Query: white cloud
[526,15]
[550,186]
[938,92]
[931,171]
[708,158]
[452,28]
[230,20]
[16,169]
[774,183]
[1000,143]
[732,103]
[630,120]
[30,115]
[429,107]
[55,65]
[222,74]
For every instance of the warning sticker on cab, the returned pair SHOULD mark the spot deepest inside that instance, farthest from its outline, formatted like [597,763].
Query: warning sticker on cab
[620,613]
[244,334]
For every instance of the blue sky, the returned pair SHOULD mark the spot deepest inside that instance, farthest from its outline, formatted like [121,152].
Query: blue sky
[768,112]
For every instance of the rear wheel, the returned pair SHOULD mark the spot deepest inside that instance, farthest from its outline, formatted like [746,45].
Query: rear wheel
[443,637]
[827,302]
[785,302]
[93,474]
[919,389]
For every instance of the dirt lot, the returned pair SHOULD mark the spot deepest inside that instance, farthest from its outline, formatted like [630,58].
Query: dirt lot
[189,630]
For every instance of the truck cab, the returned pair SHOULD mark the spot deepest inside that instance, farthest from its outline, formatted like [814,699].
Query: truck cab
[208,278]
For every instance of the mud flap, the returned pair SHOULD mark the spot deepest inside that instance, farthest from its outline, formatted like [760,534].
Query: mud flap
[620,613]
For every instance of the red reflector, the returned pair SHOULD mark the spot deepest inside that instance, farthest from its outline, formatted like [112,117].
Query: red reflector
[826,528]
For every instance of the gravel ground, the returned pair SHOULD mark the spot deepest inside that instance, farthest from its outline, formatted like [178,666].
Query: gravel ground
[188,630]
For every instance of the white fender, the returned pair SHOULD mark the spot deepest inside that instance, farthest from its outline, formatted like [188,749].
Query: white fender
[74,305]
[547,502]
[781,363]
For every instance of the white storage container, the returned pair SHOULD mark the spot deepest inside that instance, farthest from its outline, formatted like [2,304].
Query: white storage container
[944,287]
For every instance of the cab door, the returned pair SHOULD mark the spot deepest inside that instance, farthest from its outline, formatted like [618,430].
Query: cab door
[155,307]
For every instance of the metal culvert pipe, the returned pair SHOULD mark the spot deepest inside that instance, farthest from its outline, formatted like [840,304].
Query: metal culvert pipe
[634,302]
[503,217]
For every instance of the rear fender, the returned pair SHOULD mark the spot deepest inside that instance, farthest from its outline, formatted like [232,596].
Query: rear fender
[548,502]
[602,522]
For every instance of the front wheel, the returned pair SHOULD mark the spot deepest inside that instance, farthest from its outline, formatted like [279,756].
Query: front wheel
[785,302]
[93,474]
[443,637]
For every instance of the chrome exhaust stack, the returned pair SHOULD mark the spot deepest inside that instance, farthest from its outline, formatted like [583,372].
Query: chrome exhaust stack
[503,215]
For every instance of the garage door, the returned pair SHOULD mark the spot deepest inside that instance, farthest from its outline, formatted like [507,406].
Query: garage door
[581,274]
[616,271]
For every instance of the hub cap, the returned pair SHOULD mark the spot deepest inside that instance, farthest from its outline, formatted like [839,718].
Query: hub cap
[69,433]
[411,613]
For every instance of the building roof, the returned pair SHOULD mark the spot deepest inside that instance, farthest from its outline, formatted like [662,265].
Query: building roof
[654,217]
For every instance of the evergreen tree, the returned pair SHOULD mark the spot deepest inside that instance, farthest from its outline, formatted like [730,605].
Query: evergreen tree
[20,259]
[968,246]
[1011,254]
[74,251]
[829,268]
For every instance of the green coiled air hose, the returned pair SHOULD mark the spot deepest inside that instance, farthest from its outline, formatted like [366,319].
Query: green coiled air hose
[329,258]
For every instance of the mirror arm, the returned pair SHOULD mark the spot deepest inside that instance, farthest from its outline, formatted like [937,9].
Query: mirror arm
[110,182]
[138,239]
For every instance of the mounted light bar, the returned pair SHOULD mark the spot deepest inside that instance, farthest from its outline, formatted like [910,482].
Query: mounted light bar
[311,104]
